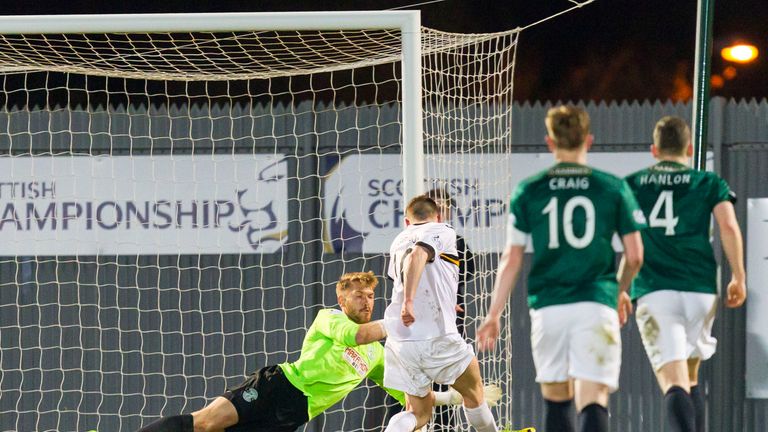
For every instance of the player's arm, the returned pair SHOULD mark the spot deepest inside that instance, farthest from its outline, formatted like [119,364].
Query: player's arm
[730,236]
[506,275]
[509,266]
[413,267]
[335,325]
[370,332]
[630,265]
[631,221]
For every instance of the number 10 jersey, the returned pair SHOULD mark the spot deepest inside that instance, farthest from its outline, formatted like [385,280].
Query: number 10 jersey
[571,212]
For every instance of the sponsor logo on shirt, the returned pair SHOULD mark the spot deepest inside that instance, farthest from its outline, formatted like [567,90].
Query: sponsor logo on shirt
[438,242]
[639,216]
[250,395]
[353,358]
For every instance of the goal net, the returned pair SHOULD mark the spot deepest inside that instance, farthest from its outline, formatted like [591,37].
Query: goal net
[177,205]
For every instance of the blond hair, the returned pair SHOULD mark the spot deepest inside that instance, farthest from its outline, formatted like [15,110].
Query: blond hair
[366,279]
[567,126]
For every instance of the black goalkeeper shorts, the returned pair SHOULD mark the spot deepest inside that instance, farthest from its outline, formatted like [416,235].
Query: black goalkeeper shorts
[267,401]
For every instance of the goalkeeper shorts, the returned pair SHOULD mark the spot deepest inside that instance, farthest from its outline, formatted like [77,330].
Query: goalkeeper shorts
[267,401]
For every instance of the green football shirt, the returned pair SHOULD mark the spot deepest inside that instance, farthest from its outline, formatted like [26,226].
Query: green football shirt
[678,203]
[331,364]
[571,212]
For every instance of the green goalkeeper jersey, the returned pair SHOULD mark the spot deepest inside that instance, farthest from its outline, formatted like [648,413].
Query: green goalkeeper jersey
[331,364]
[678,203]
[571,212]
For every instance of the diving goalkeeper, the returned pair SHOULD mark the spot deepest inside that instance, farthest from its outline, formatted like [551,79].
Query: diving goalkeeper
[340,349]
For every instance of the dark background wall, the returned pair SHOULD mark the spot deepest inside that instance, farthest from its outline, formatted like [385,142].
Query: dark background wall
[110,343]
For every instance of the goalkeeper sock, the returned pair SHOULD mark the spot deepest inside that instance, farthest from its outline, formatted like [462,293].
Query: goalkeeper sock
[557,416]
[697,395]
[177,423]
[481,418]
[681,414]
[402,422]
[593,418]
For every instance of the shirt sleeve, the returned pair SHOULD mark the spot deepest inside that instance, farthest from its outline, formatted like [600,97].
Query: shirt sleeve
[517,226]
[335,325]
[438,240]
[391,274]
[631,217]
[721,192]
[517,210]
[377,376]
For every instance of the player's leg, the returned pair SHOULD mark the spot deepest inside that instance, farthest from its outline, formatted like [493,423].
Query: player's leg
[417,414]
[697,394]
[558,403]
[592,405]
[675,384]
[402,371]
[444,420]
[177,423]
[701,309]
[550,333]
[663,324]
[594,352]
[470,385]
[216,416]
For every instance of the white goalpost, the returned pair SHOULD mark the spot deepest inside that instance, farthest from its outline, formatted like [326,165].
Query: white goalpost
[180,193]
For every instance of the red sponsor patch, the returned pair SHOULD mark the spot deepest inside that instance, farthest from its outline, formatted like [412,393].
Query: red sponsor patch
[353,358]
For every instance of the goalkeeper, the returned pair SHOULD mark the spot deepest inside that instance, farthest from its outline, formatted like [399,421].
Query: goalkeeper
[340,349]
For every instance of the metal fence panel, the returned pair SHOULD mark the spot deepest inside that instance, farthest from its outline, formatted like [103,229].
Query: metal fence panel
[80,313]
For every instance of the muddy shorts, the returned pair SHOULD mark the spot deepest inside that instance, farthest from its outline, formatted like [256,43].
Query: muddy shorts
[676,325]
[576,341]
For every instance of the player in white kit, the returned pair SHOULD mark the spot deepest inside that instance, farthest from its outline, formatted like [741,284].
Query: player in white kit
[423,343]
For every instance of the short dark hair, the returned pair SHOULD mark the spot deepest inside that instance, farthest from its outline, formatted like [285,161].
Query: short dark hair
[421,208]
[671,135]
[567,126]
[441,194]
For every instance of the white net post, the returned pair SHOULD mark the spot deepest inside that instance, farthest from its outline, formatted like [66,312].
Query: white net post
[181,192]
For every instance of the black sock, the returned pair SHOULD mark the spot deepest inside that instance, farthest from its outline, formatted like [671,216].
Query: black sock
[593,418]
[681,415]
[697,395]
[557,416]
[177,423]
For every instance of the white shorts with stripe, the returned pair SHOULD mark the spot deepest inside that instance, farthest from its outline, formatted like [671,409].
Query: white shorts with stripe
[676,325]
[412,366]
[576,341]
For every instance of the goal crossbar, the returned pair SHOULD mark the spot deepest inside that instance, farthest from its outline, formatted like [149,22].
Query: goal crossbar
[408,22]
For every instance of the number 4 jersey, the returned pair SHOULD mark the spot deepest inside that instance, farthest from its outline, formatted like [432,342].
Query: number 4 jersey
[571,212]
[678,202]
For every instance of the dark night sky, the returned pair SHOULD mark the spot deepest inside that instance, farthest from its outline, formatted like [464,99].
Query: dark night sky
[608,50]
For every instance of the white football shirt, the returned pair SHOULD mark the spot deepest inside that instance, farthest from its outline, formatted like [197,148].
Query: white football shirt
[435,301]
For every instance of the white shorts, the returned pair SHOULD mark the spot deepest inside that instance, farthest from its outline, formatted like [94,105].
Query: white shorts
[676,325]
[576,341]
[412,366]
